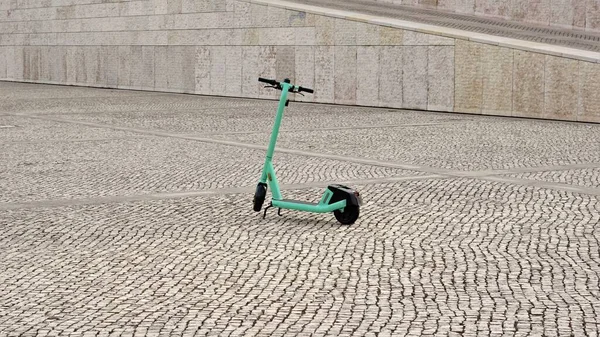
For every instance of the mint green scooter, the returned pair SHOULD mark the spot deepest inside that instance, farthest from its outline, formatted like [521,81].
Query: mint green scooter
[343,201]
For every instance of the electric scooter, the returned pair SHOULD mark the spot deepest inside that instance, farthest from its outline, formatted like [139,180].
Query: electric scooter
[343,201]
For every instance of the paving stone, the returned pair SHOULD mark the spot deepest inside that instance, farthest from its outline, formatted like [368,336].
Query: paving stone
[429,255]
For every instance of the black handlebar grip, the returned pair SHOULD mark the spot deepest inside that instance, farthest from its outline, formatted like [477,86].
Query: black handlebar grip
[268,81]
[310,91]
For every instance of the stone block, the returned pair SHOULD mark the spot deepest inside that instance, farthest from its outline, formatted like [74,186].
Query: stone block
[305,36]
[59,74]
[528,84]
[136,8]
[497,70]
[42,73]
[367,34]
[390,76]
[325,30]
[100,10]
[250,72]
[367,75]
[304,72]
[161,7]
[215,20]
[593,15]
[391,36]
[561,88]
[531,11]
[259,16]
[296,18]
[80,66]
[211,6]
[187,68]
[72,64]
[27,66]
[286,62]
[147,67]
[589,110]
[277,36]
[203,69]
[251,37]
[267,68]
[112,65]
[345,32]
[188,6]
[3,62]
[102,67]
[324,74]
[440,92]
[277,17]
[233,71]
[162,67]
[11,64]
[345,75]
[175,59]
[206,37]
[137,69]
[412,38]
[414,78]
[562,12]
[468,84]
[230,5]
[124,74]
[174,6]
[496,8]
[91,65]
[436,40]
[579,14]
[242,14]
[464,6]
[449,5]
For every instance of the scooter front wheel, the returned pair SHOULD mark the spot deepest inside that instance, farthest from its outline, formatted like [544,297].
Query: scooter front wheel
[348,216]
[259,196]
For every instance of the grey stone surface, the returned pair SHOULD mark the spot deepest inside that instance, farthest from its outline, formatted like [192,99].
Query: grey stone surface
[128,213]
[219,48]
[579,177]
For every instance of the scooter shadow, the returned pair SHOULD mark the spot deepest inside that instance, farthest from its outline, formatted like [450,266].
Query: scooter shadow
[297,218]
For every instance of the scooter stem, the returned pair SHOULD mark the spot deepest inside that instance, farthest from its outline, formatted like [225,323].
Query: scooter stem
[278,118]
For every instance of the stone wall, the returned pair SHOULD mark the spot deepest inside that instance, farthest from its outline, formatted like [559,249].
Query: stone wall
[579,14]
[221,47]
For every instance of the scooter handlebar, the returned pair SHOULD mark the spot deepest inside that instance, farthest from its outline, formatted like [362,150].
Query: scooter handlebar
[268,81]
[310,91]
[276,84]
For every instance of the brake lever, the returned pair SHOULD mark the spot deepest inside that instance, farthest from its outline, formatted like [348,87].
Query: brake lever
[296,92]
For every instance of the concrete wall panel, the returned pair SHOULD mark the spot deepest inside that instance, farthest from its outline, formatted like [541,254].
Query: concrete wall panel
[497,72]
[414,77]
[440,78]
[561,88]
[221,47]
[528,84]
[469,77]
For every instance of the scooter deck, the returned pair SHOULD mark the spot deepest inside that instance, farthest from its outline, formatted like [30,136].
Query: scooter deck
[308,203]
[308,206]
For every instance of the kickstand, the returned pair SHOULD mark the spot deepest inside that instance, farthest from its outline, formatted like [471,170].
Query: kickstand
[266,208]
[279,211]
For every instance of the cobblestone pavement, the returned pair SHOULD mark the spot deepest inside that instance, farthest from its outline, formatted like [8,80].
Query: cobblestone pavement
[572,38]
[126,213]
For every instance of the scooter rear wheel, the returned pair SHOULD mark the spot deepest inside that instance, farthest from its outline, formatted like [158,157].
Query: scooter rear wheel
[348,216]
[259,196]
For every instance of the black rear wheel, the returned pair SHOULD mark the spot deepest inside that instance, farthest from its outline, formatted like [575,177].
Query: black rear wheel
[348,216]
[259,196]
